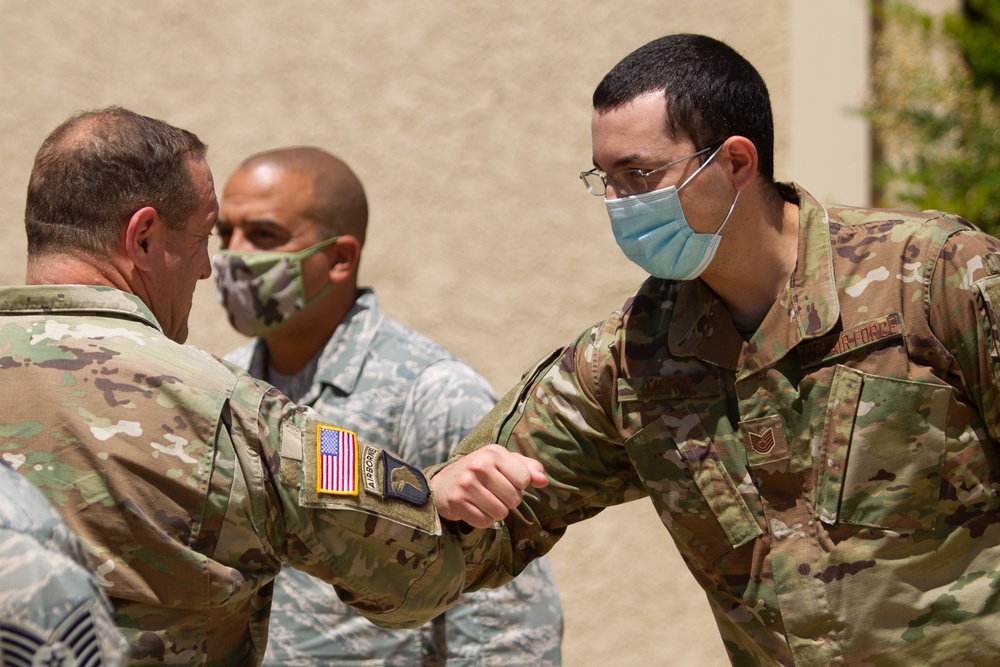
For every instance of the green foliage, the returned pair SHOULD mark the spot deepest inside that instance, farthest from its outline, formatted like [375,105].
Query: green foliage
[976,30]
[935,114]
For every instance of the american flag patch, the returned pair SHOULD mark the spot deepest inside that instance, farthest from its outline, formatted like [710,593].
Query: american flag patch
[337,461]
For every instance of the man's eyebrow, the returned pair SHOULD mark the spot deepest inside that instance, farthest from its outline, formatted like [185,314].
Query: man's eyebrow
[625,161]
[636,158]
[261,223]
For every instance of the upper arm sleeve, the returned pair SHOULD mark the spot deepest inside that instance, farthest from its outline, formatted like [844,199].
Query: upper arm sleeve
[965,316]
[381,544]
[556,416]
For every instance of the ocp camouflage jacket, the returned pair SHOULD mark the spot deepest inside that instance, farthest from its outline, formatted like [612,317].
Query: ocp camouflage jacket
[832,482]
[190,483]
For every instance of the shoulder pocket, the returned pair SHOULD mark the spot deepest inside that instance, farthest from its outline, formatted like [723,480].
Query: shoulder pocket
[497,425]
[510,407]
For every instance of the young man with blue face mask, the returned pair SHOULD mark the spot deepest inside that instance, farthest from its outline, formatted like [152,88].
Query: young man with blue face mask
[651,228]
[808,394]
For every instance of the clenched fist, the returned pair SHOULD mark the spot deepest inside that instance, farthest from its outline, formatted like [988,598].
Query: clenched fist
[482,487]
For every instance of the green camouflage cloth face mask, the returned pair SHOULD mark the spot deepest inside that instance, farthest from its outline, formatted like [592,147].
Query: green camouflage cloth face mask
[261,291]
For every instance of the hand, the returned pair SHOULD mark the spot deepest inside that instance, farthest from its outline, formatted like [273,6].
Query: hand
[483,486]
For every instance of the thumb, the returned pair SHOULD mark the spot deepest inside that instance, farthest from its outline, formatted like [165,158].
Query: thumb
[537,470]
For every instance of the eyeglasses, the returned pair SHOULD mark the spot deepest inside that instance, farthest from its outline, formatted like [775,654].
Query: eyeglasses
[628,181]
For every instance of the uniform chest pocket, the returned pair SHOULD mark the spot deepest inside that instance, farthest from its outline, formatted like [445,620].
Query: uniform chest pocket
[690,487]
[883,450]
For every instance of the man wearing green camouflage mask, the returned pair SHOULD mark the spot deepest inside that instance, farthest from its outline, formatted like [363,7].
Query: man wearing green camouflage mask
[292,223]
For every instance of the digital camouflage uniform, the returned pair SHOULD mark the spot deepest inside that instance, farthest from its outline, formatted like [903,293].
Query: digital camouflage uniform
[833,482]
[401,391]
[52,610]
[190,483]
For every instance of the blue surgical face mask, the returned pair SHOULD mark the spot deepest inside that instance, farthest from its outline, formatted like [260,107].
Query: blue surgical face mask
[652,232]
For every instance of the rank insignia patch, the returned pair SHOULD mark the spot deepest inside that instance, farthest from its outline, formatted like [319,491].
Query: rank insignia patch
[762,443]
[403,481]
[337,461]
[766,439]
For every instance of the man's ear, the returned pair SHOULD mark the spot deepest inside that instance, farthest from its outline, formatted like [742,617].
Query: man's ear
[140,235]
[344,255]
[742,160]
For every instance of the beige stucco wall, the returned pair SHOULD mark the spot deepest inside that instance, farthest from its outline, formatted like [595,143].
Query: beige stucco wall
[468,123]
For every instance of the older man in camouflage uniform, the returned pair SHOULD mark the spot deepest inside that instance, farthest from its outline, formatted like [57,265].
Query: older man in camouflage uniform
[342,355]
[189,482]
[52,610]
[813,409]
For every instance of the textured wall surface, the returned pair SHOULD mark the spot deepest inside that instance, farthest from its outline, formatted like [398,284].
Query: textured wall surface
[468,124]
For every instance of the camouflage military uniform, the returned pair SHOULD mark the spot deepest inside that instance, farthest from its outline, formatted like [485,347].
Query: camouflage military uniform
[190,483]
[52,610]
[833,482]
[399,390]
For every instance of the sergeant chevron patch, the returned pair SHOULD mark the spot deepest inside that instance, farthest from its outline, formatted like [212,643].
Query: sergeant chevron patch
[762,443]
[766,439]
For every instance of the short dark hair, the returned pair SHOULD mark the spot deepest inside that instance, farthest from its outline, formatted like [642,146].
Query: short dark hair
[98,168]
[712,92]
[339,205]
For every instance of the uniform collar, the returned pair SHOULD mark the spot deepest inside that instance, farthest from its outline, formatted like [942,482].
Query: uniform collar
[76,299]
[807,308]
[341,360]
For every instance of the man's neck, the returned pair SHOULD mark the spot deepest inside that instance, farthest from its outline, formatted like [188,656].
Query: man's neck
[293,346]
[60,269]
[756,276]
